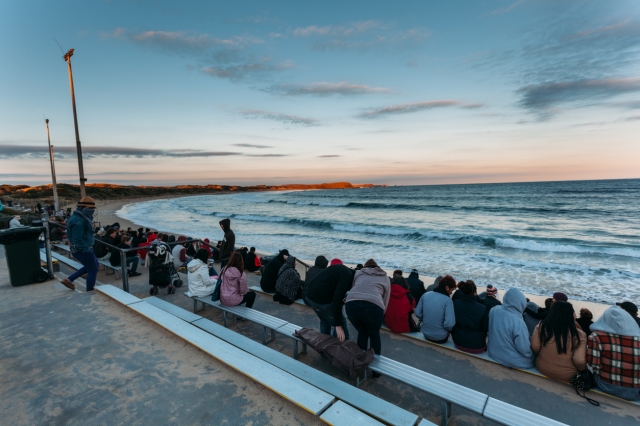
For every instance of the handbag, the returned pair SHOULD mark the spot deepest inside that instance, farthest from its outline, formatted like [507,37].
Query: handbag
[582,382]
[215,296]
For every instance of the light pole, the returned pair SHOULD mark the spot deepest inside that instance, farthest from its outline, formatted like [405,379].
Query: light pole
[67,58]
[53,170]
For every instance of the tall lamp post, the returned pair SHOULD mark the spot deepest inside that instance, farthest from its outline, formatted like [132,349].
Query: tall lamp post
[53,170]
[67,58]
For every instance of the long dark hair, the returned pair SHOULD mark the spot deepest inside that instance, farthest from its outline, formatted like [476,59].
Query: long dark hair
[560,325]
[235,261]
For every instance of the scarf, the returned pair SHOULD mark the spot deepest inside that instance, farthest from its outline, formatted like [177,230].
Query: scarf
[288,281]
[86,214]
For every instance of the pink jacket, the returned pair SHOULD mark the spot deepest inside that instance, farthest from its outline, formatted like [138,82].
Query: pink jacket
[233,287]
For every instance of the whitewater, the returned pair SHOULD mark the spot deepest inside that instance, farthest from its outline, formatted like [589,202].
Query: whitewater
[580,237]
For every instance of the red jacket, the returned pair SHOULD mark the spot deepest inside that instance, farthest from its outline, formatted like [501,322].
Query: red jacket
[397,315]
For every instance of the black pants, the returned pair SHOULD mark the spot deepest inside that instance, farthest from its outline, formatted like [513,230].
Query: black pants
[249,298]
[367,318]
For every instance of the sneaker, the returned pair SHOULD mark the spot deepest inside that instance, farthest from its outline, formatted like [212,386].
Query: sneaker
[68,284]
[134,274]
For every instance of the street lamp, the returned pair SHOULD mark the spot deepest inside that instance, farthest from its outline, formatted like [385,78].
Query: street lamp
[53,170]
[67,58]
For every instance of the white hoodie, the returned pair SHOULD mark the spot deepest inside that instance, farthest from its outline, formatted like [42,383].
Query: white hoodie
[200,284]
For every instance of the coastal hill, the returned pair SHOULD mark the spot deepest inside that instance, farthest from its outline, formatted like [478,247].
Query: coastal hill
[106,191]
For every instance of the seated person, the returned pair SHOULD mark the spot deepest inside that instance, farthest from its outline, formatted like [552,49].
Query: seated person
[288,284]
[252,261]
[631,309]
[416,285]
[234,290]
[611,346]
[320,264]
[271,271]
[199,275]
[142,254]
[399,314]
[508,335]
[433,286]
[207,248]
[472,321]
[561,347]
[132,258]
[435,310]
[179,253]
[491,298]
[585,320]
[529,319]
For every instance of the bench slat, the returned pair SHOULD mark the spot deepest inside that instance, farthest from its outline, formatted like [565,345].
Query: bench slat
[364,401]
[183,314]
[510,415]
[289,387]
[341,414]
[248,313]
[60,258]
[434,385]
[117,294]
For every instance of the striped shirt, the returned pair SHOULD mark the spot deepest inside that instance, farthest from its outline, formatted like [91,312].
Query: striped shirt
[614,358]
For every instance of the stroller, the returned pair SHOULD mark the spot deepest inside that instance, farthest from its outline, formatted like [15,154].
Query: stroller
[162,272]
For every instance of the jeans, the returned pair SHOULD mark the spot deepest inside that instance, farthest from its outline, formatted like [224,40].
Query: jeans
[632,394]
[133,261]
[248,298]
[89,267]
[324,312]
[367,318]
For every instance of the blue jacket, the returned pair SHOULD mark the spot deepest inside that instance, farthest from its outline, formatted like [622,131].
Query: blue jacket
[80,233]
[509,342]
[437,315]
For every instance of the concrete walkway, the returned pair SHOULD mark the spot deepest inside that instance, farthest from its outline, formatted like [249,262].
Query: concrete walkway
[69,358]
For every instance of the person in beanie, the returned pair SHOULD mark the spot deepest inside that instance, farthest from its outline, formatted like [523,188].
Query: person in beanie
[228,242]
[490,299]
[80,235]
[416,285]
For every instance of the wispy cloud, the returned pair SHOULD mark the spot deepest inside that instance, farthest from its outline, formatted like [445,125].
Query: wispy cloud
[37,151]
[351,29]
[242,71]
[509,8]
[276,116]
[327,89]
[542,99]
[328,156]
[417,106]
[251,145]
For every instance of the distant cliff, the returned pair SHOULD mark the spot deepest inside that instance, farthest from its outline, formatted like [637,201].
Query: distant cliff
[106,191]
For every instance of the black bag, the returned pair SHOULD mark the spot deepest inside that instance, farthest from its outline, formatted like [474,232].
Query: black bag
[583,381]
[215,296]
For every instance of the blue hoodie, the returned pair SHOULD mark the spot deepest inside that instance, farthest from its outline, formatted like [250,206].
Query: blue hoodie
[509,342]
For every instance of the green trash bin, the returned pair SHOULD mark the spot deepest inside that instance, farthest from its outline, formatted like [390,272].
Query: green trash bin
[23,255]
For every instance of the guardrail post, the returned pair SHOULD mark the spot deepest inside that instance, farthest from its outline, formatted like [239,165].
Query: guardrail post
[125,274]
[47,247]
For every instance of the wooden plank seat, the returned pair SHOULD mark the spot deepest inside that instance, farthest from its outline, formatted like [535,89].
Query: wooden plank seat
[283,383]
[341,414]
[449,392]
[366,402]
[510,415]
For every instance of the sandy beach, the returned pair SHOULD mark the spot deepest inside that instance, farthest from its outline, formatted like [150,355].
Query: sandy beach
[107,214]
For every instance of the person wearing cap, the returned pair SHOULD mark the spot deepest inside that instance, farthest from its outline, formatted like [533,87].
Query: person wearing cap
[80,235]
[436,311]
[271,271]
[632,309]
[416,285]
[613,353]
[15,222]
[326,294]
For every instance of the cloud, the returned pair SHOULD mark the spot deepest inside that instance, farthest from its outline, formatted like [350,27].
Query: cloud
[327,89]
[509,8]
[328,156]
[251,145]
[354,28]
[418,106]
[37,151]
[242,71]
[265,155]
[276,116]
[544,98]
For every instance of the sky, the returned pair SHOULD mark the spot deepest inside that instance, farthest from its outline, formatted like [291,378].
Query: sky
[254,92]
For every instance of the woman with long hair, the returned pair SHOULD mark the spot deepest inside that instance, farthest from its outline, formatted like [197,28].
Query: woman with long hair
[560,345]
[233,290]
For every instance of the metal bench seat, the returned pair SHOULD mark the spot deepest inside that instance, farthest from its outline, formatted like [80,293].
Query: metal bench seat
[510,415]
[69,262]
[449,392]
[341,414]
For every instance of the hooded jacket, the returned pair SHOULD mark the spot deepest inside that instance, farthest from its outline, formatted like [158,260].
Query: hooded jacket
[229,240]
[508,335]
[200,284]
[288,283]
[435,309]
[270,273]
[416,286]
[233,287]
[320,264]
[399,309]
[472,322]
[329,287]
[370,285]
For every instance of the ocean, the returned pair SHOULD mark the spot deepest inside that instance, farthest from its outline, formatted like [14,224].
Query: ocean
[582,237]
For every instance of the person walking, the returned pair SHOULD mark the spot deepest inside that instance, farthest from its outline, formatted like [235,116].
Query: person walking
[80,235]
